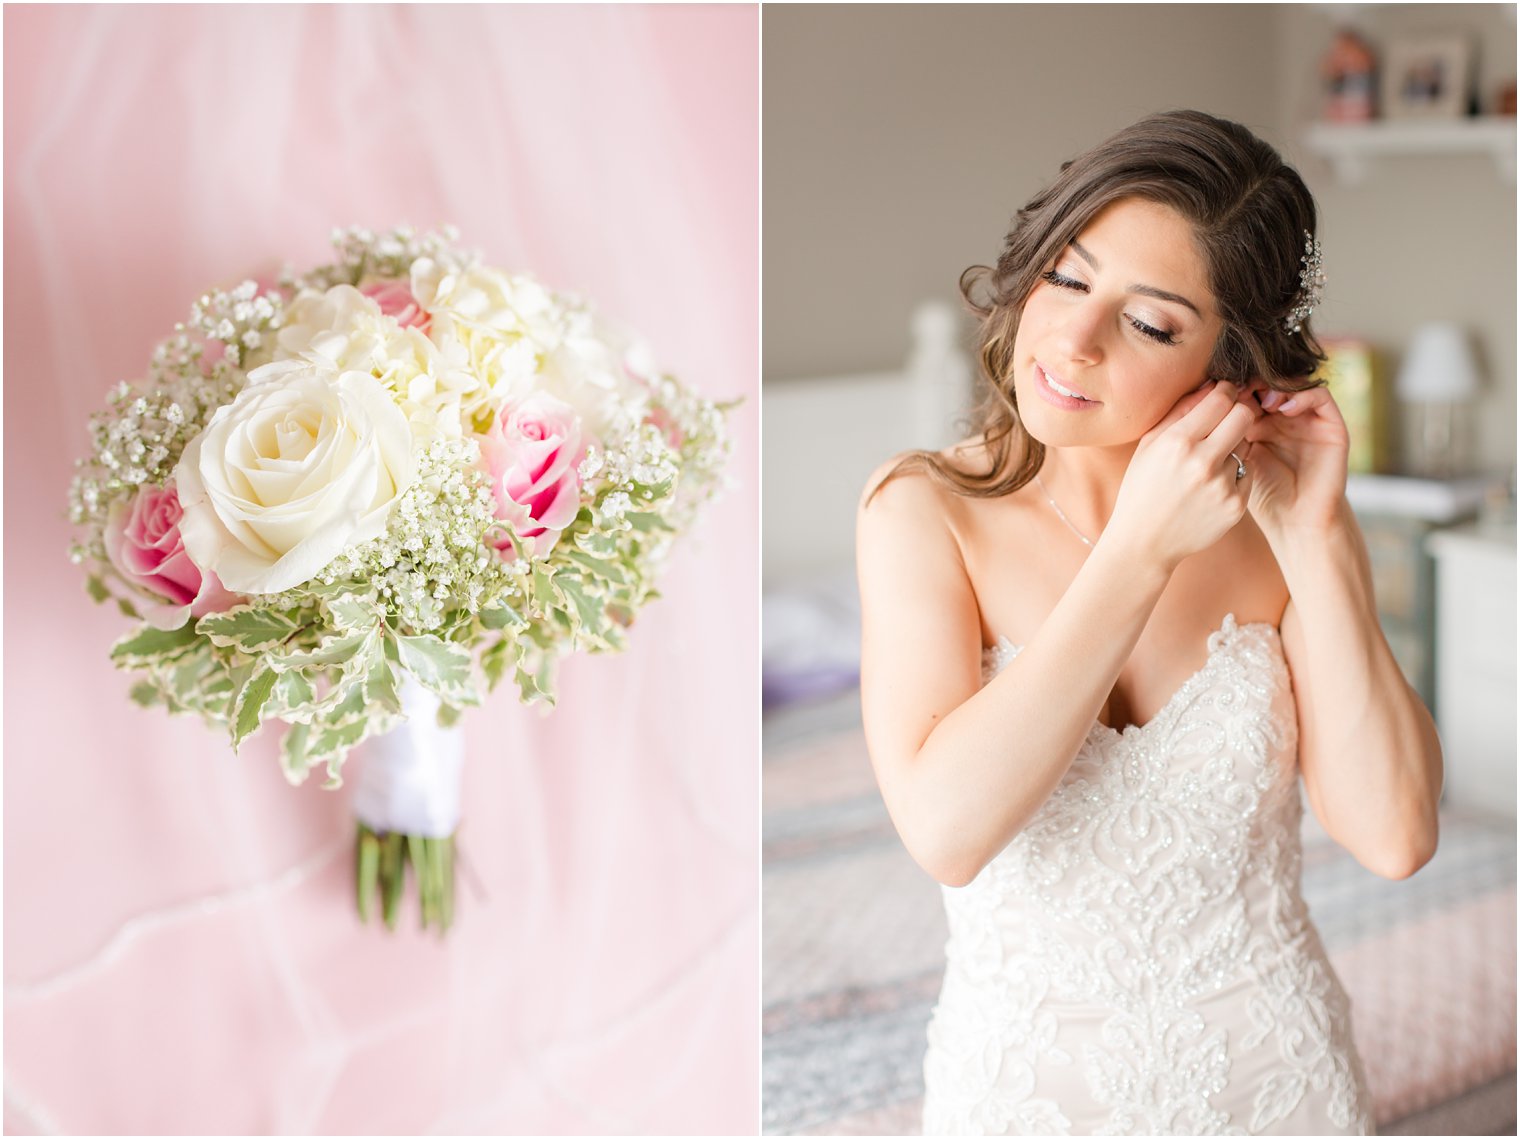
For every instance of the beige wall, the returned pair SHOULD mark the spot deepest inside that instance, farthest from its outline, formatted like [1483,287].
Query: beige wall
[898,141]
[1423,238]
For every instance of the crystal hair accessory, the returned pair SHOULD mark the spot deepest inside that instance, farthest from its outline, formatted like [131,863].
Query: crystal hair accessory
[1311,283]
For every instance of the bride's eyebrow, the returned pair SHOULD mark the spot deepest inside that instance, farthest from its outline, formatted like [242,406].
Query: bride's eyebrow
[1143,290]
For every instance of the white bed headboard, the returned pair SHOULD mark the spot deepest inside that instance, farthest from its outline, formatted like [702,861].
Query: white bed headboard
[822,437]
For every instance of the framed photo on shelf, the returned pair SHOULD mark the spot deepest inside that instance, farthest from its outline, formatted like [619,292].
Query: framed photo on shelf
[1427,77]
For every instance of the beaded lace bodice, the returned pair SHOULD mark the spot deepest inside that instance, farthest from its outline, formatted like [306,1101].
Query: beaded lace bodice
[1139,959]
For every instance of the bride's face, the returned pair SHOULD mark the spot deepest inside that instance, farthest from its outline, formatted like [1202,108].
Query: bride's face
[1119,328]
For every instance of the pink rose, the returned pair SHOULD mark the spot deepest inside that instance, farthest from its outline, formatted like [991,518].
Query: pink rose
[143,543]
[395,299]
[533,452]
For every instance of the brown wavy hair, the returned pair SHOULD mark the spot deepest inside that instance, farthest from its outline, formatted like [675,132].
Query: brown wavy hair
[1250,212]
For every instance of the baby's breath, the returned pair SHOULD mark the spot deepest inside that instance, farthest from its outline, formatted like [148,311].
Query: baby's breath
[138,437]
[435,573]
[363,253]
[240,318]
[431,560]
[702,443]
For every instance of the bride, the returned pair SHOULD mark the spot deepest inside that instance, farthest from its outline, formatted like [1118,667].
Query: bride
[1103,638]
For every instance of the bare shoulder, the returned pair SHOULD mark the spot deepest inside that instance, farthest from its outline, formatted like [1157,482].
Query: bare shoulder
[920,626]
[909,523]
[901,487]
[909,484]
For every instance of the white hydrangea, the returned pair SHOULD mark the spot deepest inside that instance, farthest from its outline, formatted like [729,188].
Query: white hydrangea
[347,328]
[517,336]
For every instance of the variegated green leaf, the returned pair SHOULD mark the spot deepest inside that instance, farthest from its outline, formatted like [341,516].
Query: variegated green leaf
[543,589]
[148,646]
[347,701]
[495,660]
[598,545]
[247,628]
[331,745]
[439,666]
[190,671]
[250,701]
[647,522]
[330,651]
[380,684]
[500,615]
[597,567]
[531,690]
[293,695]
[294,753]
[355,611]
[588,612]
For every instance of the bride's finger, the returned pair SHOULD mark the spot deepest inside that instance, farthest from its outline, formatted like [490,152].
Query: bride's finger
[1239,462]
[1231,432]
[1271,457]
[1267,428]
[1184,406]
[1298,403]
[1203,418]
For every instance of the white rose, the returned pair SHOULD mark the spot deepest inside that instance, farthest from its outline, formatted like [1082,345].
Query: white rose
[349,329]
[305,463]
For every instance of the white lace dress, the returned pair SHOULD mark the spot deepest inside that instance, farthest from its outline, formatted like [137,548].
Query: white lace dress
[1139,959]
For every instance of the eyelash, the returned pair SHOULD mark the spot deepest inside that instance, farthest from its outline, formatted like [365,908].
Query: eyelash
[1050,276]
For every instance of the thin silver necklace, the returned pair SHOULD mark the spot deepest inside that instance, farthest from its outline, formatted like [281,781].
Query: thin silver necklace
[1086,541]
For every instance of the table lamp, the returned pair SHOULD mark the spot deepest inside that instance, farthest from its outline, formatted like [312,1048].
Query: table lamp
[1438,373]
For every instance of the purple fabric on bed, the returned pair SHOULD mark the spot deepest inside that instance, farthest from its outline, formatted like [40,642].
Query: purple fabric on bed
[781,687]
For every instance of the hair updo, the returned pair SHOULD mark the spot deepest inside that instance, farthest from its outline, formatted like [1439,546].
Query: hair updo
[1249,211]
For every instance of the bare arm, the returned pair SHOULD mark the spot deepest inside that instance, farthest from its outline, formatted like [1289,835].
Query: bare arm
[963,767]
[1368,749]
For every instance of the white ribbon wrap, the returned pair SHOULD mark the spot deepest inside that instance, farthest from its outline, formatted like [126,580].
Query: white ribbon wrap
[409,777]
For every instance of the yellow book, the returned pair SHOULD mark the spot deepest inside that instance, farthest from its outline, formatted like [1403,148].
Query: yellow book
[1358,388]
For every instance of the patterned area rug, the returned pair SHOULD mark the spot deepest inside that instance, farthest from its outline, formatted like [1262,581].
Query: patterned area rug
[854,939]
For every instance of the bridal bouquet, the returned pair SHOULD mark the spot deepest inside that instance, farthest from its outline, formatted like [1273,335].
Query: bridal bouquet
[349,501]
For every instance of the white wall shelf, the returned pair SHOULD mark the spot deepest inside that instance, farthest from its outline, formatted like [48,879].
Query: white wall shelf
[1351,147]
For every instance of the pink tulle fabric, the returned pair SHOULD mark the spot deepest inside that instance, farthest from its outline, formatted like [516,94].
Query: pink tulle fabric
[181,953]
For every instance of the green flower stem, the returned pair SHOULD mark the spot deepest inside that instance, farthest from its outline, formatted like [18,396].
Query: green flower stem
[368,867]
[380,865]
[446,864]
[392,876]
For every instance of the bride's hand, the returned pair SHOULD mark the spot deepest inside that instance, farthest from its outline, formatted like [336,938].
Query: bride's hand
[1298,462]
[1180,494]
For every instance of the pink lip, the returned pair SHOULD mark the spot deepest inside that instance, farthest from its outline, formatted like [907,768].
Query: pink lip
[1051,396]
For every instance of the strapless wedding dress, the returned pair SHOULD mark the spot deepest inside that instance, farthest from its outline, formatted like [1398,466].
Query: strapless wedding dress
[1139,959]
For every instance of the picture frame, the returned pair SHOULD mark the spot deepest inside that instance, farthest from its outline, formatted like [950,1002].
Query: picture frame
[1427,77]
